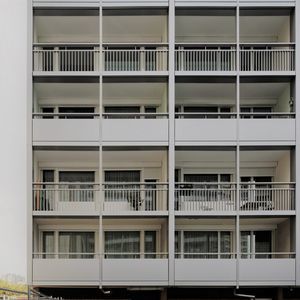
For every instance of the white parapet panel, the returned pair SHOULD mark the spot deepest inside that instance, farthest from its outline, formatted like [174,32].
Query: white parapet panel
[267,131]
[65,271]
[205,271]
[267,271]
[65,3]
[65,132]
[135,271]
[135,131]
[205,131]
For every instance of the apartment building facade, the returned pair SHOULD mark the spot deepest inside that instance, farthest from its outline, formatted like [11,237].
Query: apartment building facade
[163,157]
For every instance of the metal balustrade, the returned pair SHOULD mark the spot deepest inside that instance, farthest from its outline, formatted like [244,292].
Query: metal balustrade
[65,60]
[267,196]
[106,255]
[138,59]
[64,196]
[135,197]
[205,196]
[205,59]
[269,59]
[117,197]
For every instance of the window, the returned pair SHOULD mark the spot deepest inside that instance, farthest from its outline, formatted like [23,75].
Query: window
[250,112]
[150,244]
[76,244]
[75,189]
[122,244]
[121,112]
[48,244]
[203,244]
[48,110]
[254,242]
[74,112]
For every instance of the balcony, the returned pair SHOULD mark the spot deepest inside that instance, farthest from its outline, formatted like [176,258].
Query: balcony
[85,60]
[84,198]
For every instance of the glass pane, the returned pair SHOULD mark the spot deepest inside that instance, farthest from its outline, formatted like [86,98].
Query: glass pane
[225,244]
[48,244]
[76,110]
[122,244]
[76,244]
[263,243]
[246,244]
[177,244]
[150,244]
[198,242]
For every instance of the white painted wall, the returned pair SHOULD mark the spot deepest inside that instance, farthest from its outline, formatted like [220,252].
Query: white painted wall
[13,55]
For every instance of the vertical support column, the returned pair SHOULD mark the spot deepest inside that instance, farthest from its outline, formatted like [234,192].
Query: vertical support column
[171,156]
[29,152]
[297,149]
[237,158]
[100,169]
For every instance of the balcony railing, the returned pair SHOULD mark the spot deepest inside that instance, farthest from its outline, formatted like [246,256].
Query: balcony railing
[117,197]
[87,59]
[267,196]
[65,60]
[205,60]
[205,196]
[272,58]
[205,115]
[106,255]
[135,197]
[139,59]
[267,115]
[64,196]
[205,255]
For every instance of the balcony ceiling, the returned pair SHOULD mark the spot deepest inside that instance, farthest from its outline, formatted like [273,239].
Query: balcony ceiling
[64,29]
[263,90]
[263,28]
[66,90]
[134,29]
[229,156]
[205,28]
[203,91]
[93,156]
[67,156]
